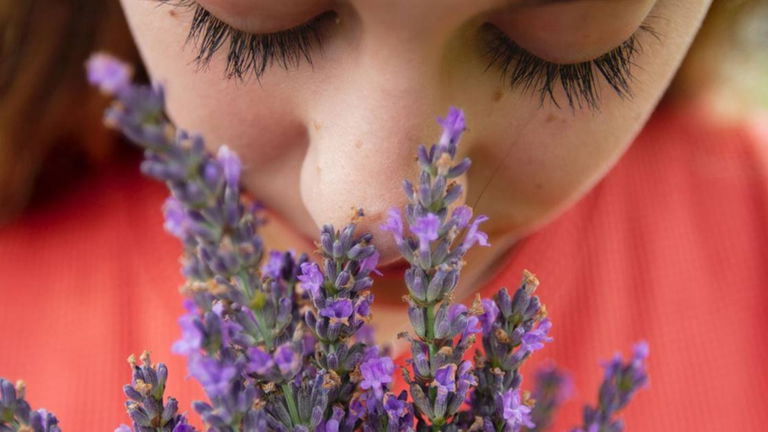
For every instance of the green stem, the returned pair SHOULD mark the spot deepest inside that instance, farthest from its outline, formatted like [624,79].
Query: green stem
[265,332]
[430,331]
[430,323]
[294,412]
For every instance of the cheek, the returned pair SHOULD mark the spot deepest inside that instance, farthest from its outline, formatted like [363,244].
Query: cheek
[539,166]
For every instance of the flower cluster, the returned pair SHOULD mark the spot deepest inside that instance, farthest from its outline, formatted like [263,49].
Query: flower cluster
[281,343]
[621,381]
[16,415]
[434,245]
[145,405]
[513,327]
[552,387]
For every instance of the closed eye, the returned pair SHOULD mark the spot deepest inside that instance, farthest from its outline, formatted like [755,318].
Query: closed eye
[251,53]
[578,81]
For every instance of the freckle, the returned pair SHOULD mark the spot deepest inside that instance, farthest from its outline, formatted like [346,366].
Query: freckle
[172,13]
[358,143]
[550,118]
[497,95]
[538,186]
[317,125]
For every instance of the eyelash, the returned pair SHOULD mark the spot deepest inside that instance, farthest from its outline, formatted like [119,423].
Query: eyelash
[254,53]
[248,52]
[578,80]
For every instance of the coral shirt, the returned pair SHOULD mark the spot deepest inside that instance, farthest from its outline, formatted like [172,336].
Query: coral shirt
[671,246]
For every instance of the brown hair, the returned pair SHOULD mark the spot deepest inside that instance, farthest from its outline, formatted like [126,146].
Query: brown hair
[49,119]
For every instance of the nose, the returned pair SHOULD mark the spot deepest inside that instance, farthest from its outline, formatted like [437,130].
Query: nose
[364,130]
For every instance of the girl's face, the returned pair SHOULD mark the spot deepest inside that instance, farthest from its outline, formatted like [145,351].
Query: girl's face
[336,95]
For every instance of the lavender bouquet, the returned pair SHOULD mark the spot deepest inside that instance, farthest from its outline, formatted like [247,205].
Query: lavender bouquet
[280,342]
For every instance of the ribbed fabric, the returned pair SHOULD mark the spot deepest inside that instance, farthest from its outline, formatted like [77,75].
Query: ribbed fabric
[671,246]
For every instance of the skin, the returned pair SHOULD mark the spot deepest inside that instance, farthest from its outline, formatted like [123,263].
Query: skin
[318,140]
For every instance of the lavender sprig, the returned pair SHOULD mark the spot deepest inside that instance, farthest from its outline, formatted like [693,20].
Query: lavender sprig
[17,416]
[441,380]
[340,294]
[551,389]
[621,381]
[339,289]
[242,334]
[513,327]
[145,405]
[384,411]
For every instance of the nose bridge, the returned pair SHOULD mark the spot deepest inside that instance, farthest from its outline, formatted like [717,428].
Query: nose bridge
[381,99]
[364,128]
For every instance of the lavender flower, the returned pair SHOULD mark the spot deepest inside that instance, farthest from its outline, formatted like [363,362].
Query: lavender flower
[383,410]
[109,75]
[552,388]
[236,308]
[535,338]
[443,332]
[145,403]
[513,327]
[17,415]
[191,329]
[377,373]
[341,307]
[394,224]
[622,380]
[453,126]
[515,413]
[214,375]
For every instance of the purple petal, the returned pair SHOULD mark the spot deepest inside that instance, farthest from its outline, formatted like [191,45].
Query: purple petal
[108,73]
[394,224]
[231,164]
[426,229]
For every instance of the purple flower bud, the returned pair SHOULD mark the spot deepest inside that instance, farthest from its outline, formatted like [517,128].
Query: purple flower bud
[535,338]
[368,264]
[365,334]
[515,413]
[177,221]
[453,125]
[461,216]
[445,377]
[259,361]
[474,235]
[488,317]
[108,73]
[363,306]
[377,373]
[191,335]
[287,360]
[459,169]
[426,229]
[182,426]
[231,164]
[394,224]
[311,279]
[214,375]
[274,265]
[338,311]
[416,281]
[395,408]
[640,351]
